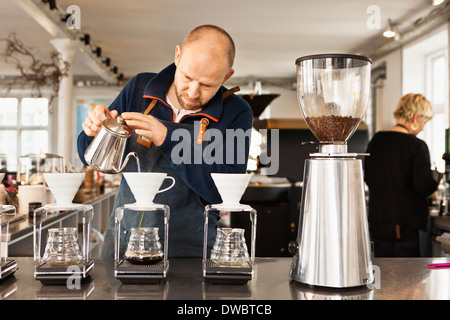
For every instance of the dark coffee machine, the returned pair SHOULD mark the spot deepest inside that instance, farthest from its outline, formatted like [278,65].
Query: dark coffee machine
[445,196]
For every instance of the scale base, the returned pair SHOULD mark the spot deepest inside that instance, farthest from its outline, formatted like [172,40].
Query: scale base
[129,273]
[51,275]
[8,268]
[222,274]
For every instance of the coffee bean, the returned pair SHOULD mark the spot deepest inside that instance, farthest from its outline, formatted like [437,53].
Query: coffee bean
[332,128]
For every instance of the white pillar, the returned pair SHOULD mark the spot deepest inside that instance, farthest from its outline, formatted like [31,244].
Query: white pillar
[66,122]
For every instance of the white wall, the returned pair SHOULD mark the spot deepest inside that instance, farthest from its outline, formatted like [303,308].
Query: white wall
[405,72]
[284,107]
[88,93]
[390,93]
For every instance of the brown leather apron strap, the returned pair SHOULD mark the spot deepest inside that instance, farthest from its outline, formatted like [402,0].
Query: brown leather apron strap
[205,122]
[150,106]
[229,92]
[141,139]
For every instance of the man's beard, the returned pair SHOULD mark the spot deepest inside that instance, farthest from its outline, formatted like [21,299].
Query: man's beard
[183,104]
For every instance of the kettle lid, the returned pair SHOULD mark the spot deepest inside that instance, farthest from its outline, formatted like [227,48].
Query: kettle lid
[117,126]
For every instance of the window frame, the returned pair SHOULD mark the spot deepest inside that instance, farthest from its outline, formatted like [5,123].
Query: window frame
[12,165]
[440,109]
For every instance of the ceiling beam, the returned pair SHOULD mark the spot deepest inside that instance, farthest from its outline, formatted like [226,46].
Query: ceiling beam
[437,17]
[51,22]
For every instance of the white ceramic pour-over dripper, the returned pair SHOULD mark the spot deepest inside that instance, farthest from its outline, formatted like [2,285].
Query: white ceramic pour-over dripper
[231,187]
[145,186]
[64,187]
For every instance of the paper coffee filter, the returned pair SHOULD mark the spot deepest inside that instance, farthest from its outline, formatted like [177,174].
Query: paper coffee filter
[145,185]
[64,186]
[231,186]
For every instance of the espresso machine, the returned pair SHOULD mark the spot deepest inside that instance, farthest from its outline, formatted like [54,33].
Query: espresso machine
[445,196]
[332,248]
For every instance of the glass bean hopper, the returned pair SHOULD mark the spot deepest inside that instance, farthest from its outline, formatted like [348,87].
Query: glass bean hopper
[142,258]
[61,254]
[229,260]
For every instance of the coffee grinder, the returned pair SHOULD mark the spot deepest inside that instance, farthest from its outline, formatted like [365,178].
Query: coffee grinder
[332,248]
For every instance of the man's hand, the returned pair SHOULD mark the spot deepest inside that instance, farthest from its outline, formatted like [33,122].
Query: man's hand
[147,126]
[94,119]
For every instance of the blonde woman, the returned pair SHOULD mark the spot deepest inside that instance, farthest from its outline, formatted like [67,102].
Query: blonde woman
[399,176]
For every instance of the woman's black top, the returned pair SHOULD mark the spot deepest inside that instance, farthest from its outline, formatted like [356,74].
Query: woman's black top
[399,176]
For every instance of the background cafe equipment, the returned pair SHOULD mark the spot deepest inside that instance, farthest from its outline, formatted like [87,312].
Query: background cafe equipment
[31,194]
[32,188]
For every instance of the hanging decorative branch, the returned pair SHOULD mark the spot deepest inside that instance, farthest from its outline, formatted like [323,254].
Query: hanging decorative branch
[33,72]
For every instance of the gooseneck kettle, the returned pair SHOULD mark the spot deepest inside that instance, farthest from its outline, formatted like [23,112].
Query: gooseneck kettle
[105,153]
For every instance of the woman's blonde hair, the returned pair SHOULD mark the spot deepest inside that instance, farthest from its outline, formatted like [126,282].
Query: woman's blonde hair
[413,104]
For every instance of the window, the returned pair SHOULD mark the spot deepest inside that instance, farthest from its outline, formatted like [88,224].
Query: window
[425,71]
[24,126]
[436,93]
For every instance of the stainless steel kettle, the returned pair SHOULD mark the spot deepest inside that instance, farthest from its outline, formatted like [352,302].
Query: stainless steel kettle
[105,153]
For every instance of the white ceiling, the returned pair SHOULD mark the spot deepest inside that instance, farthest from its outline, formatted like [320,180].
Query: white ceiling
[141,35]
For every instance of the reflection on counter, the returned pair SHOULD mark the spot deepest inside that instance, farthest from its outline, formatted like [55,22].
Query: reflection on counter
[157,291]
[64,293]
[400,279]
[300,291]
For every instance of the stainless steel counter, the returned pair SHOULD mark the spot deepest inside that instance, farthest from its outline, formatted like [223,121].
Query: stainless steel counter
[400,279]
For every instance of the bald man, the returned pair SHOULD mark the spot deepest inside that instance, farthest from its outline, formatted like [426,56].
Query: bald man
[186,124]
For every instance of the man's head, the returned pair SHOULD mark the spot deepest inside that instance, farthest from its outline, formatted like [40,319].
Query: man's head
[204,63]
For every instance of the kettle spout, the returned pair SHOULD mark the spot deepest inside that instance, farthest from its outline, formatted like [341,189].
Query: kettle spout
[127,158]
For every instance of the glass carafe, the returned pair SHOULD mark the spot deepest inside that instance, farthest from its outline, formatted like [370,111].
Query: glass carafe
[62,247]
[144,246]
[230,247]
